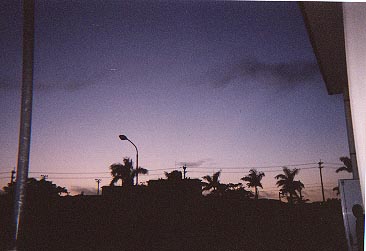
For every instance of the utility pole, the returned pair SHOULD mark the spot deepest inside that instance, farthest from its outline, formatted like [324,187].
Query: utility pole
[12,176]
[321,177]
[184,171]
[98,181]
[25,125]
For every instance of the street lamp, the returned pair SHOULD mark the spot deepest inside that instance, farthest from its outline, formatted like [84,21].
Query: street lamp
[124,137]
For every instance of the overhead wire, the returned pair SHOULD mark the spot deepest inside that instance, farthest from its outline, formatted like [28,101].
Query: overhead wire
[194,170]
[330,163]
[254,167]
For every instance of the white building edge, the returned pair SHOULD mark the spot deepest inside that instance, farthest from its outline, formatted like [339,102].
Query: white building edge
[337,32]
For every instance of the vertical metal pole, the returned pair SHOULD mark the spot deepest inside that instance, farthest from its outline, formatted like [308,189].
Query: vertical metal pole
[137,167]
[98,181]
[351,139]
[12,176]
[123,137]
[137,162]
[321,178]
[25,121]
[184,171]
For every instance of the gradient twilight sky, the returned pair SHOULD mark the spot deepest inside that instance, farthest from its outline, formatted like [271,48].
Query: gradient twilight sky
[215,85]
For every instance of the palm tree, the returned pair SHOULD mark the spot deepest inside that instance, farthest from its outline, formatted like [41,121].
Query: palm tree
[212,182]
[347,162]
[298,185]
[125,172]
[254,180]
[288,184]
[347,165]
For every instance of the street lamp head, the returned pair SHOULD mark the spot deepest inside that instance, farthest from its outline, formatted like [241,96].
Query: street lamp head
[123,137]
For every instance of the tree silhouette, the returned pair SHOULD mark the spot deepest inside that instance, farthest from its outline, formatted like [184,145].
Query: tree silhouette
[234,187]
[237,190]
[254,180]
[174,176]
[298,185]
[38,188]
[347,165]
[347,162]
[288,185]
[125,172]
[212,182]
[336,189]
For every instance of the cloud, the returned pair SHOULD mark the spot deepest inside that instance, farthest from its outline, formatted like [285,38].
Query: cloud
[86,190]
[280,75]
[74,80]
[193,164]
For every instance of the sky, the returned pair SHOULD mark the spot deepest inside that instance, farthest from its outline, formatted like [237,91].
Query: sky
[214,85]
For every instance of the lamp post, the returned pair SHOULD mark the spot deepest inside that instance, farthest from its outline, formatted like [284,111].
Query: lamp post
[124,137]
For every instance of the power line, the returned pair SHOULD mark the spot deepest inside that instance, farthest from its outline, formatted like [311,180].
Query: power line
[84,173]
[81,178]
[225,170]
[332,167]
[329,163]
[69,173]
[253,167]
[238,172]
[74,178]
[162,169]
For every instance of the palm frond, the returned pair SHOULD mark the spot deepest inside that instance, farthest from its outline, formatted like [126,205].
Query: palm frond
[280,176]
[114,180]
[216,176]
[206,186]
[348,163]
[207,178]
[343,168]
[143,170]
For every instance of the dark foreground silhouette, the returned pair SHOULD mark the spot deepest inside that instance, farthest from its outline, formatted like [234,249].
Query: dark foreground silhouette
[168,222]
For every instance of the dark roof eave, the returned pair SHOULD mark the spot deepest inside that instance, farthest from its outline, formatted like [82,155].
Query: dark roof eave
[324,24]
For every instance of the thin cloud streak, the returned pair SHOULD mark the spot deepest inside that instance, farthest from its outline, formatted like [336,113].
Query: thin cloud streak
[279,75]
[194,164]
